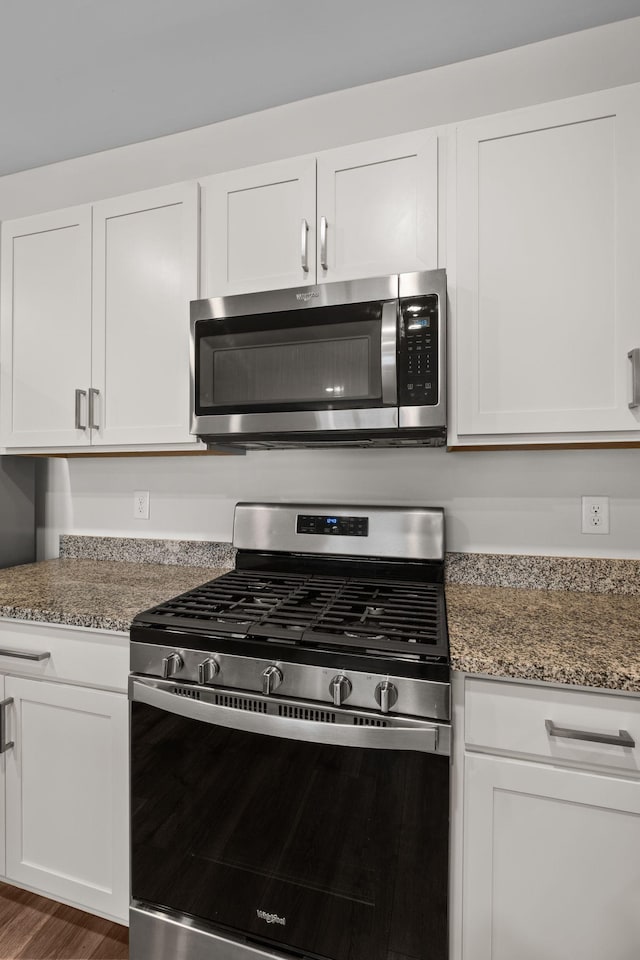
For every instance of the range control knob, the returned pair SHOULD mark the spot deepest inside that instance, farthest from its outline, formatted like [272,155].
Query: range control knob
[207,670]
[271,679]
[171,665]
[386,694]
[340,689]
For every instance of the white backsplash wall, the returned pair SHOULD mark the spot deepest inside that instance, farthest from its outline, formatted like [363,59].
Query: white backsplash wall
[503,502]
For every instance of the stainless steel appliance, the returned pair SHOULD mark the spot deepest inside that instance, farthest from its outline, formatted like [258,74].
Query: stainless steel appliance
[360,363]
[17,511]
[290,744]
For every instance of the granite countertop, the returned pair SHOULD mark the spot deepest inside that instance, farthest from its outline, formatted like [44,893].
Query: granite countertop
[104,594]
[588,635]
[561,636]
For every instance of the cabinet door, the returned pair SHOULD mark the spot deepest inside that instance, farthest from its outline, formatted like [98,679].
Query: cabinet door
[551,863]
[145,272]
[2,792]
[45,347]
[258,229]
[378,208]
[547,248]
[67,794]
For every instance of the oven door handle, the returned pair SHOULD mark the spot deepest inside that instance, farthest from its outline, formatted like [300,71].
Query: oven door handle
[388,352]
[421,738]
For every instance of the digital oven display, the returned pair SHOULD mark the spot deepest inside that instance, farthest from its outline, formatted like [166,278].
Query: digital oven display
[333,526]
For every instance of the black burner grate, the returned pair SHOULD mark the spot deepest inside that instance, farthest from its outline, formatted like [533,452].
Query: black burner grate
[381,616]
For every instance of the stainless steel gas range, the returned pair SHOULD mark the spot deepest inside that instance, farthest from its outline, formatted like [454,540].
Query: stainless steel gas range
[290,744]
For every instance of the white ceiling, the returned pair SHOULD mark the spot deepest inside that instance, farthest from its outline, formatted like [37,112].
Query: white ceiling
[78,76]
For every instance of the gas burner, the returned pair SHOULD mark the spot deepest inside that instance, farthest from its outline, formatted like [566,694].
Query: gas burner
[361,600]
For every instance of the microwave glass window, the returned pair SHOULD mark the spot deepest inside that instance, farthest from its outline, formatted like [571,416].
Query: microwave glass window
[300,371]
[322,365]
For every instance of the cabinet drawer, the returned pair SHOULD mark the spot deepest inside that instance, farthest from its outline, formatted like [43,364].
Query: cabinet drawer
[514,718]
[95,658]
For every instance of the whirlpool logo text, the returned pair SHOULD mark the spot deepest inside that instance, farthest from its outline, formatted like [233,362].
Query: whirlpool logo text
[271,917]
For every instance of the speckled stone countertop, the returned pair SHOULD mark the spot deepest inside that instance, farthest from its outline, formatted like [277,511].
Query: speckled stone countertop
[103,594]
[586,634]
[561,636]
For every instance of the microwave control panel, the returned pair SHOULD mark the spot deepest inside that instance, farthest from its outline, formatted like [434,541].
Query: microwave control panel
[418,351]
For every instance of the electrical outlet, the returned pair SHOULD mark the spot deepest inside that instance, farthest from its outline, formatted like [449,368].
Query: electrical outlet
[141,504]
[595,515]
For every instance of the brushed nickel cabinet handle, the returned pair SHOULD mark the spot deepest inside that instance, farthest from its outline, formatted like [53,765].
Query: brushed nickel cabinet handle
[634,356]
[24,654]
[4,745]
[93,403]
[323,243]
[79,424]
[304,245]
[622,739]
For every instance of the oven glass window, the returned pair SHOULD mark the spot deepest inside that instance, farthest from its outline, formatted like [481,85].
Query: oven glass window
[317,359]
[327,851]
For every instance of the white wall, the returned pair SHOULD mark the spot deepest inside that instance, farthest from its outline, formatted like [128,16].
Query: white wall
[504,501]
[562,67]
[511,501]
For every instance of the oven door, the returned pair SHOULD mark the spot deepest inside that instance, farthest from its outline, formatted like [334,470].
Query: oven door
[314,837]
[271,364]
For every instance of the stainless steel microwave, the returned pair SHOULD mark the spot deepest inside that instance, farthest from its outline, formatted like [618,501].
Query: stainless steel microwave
[339,364]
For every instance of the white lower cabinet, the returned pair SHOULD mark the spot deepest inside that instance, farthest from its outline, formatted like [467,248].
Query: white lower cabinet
[550,862]
[64,769]
[66,793]
[3,740]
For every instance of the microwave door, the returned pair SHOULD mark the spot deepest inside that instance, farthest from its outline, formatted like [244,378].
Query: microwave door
[331,368]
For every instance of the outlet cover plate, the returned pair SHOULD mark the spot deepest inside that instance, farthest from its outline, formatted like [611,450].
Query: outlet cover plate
[595,515]
[141,504]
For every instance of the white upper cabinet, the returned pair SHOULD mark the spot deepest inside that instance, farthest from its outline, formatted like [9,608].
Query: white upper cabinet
[145,272]
[109,367]
[258,228]
[375,212]
[547,300]
[45,334]
[378,208]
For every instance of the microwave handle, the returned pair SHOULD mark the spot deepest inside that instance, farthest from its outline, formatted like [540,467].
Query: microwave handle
[388,352]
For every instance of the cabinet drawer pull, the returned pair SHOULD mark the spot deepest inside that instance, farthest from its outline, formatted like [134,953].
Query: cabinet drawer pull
[24,654]
[4,746]
[79,395]
[304,245]
[323,243]
[634,356]
[93,403]
[622,739]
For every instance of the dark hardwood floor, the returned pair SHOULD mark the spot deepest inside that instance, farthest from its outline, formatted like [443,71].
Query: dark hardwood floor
[34,928]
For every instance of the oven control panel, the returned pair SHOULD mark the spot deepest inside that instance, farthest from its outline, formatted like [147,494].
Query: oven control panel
[332,526]
[418,351]
[239,676]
